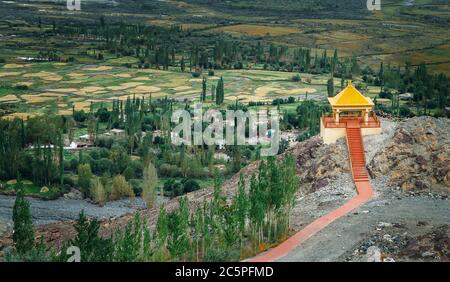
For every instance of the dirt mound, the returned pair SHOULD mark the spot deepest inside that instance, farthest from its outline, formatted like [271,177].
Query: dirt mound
[417,157]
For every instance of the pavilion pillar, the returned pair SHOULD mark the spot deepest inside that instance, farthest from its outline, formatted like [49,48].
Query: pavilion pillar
[336,116]
[366,116]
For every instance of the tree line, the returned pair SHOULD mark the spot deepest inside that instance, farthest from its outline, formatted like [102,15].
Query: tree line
[218,230]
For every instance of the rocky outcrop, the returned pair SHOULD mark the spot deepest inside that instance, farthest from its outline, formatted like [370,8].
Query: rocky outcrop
[318,163]
[417,157]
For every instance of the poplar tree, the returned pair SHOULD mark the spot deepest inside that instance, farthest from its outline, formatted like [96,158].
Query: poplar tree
[23,235]
[220,92]
[150,181]
[213,92]
[330,87]
[61,158]
[204,80]
[241,207]
[182,64]
[162,234]
[334,62]
[178,243]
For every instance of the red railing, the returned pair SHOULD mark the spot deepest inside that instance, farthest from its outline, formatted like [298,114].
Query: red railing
[329,121]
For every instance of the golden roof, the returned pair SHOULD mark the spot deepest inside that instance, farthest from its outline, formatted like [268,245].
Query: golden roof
[350,97]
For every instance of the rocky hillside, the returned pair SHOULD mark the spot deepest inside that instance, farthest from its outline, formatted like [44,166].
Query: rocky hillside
[417,157]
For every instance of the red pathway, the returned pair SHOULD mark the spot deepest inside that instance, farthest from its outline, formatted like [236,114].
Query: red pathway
[363,187]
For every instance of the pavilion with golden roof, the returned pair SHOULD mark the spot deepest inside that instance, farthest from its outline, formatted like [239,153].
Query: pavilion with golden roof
[350,108]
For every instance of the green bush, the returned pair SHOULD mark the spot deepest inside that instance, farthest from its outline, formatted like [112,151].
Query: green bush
[84,178]
[190,185]
[296,78]
[169,170]
[405,111]
[173,188]
[222,255]
[136,184]
[120,188]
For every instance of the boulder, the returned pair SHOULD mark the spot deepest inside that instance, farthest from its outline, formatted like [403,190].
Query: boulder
[74,194]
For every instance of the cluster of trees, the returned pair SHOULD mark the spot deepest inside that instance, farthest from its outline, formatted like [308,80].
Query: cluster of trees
[157,47]
[217,92]
[307,117]
[215,231]
[174,188]
[33,149]
[430,91]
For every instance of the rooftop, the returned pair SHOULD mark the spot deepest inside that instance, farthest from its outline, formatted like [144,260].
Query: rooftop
[350,97]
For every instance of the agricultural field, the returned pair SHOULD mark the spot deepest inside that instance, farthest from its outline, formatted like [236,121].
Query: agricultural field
[59,88]
[403,31]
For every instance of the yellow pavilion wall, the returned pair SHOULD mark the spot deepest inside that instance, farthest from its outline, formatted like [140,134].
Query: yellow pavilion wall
[331,135]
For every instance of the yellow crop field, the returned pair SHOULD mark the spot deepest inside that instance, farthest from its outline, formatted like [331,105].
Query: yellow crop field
[48,76]
[257,30]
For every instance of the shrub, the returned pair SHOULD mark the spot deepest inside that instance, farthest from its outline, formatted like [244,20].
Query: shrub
[385,95]
[120,188]
[79,116]
[128,173]
[190,185]
[73,164]
[404,111]
[102,166]
[211,72]
[173,188]
[437,113]
[21,87]
[97,191]
[104,142]
[84,178]
[196,74]
[133,170]
[137,186]
[169,170]
[103,115]
[158,140]
[36,254]
[68,180]
[296,78]
[222,255]
[238,66]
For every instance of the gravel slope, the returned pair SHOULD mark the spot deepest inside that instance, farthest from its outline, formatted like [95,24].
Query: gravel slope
[62,209]
[344,235]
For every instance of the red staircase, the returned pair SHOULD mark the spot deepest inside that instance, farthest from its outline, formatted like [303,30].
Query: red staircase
[365,194]
[356,151]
